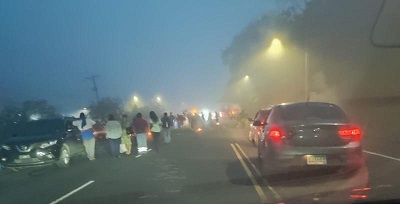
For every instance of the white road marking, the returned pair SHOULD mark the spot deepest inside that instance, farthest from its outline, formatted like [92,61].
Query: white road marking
[257,187]
[72,192]
[382,155]
[276,195]
[138,156]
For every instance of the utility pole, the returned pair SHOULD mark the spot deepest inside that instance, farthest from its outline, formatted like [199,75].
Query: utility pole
[93,78]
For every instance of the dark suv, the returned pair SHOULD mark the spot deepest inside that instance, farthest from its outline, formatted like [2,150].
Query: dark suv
[308,135]
[41,142]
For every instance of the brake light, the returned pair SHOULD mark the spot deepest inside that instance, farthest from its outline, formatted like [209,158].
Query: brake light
[358,196]
[275,133]
[353,133]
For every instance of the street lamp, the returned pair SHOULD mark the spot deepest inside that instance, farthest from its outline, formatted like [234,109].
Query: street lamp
[135,99]
[276,50]
[246,77]
[158,99]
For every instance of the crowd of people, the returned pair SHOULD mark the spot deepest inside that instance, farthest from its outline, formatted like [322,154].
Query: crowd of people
[200,120]
[127,137]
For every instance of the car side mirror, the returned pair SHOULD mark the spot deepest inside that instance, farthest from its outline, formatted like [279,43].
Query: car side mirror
[258,123]
[250,119]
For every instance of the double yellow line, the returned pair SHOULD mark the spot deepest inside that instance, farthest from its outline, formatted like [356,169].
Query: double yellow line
[236,148]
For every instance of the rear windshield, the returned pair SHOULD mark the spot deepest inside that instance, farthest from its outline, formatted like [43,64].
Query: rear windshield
[312,112]
[36,128]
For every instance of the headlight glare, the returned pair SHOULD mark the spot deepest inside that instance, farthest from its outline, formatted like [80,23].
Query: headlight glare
[48,144]
[5,147]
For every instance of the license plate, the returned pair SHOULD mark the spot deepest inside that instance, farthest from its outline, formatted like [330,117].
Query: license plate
[24,156]
[316,160]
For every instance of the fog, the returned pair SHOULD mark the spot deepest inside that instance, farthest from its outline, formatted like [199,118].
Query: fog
[343,64]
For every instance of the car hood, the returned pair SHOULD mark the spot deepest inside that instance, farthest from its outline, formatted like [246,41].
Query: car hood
[29,139]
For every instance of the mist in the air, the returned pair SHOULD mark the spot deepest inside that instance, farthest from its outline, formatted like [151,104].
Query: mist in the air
[343,66]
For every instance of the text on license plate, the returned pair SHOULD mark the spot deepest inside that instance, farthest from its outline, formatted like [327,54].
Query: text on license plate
[24,156]
[316,160]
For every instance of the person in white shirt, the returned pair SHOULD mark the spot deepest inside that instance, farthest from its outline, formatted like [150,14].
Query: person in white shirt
[114,133]
[85,125]
[155,128]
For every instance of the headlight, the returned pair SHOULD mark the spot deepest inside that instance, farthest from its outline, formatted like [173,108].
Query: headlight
[6,147]
[48,144]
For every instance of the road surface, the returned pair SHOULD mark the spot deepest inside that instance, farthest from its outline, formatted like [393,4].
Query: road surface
[218,165]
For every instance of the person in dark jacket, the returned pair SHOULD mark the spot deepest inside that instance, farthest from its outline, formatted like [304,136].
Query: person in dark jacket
[140,128]
[166,128]
[155,128]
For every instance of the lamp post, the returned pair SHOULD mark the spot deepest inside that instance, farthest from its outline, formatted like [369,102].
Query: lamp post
[276,49]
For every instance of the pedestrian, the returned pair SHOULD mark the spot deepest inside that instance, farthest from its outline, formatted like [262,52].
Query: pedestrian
[140,128]
[172,120]
[155,128]
[85,125]
[216,118]
[192,120]
[125,138]
[180,120]
[166,128]
[113,134]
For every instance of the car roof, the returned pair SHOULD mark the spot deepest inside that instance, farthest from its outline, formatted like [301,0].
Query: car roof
[48,119]
[264,110]
[41,122]
[305,104]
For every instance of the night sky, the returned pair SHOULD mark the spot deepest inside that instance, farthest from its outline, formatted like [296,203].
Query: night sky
[161,48]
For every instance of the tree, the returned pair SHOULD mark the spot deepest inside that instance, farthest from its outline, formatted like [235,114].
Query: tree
[338,44]
[105,107]
[15,114]
[28,111]
[39,109]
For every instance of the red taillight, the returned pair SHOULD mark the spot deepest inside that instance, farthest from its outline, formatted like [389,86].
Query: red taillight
[275,133]
[353,133]
[362,189]
[358,196]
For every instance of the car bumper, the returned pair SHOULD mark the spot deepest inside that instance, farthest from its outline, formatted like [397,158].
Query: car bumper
[28,163]
[349,156]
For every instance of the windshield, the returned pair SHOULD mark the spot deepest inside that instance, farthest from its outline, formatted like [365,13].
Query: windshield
[312,112]
[36,128]
[188,101]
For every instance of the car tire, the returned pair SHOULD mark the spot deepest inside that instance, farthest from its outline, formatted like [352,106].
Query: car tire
[259,152]
[255,141]
[65,157]
[259,156]
[267,168]
[250,137]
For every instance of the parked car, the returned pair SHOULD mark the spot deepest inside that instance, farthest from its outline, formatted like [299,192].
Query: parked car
[307,135]
[99,130]
[255,131]
[41,142]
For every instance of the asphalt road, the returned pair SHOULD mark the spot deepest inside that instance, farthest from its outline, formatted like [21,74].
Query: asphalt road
[218,165]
